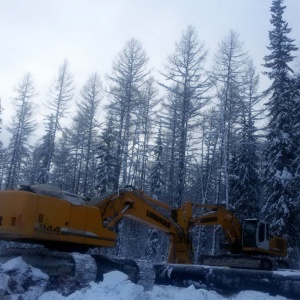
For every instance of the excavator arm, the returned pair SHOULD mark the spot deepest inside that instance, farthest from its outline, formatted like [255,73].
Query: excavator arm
[219,215]
[146,210]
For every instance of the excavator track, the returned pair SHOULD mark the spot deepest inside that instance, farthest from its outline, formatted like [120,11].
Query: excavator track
[240,261]
[82,267]
[230,280]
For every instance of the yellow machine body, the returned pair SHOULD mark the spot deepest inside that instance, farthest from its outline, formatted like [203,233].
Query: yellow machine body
[32,217]
[57,221]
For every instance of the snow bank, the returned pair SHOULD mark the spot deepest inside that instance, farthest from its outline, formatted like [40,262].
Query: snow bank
[18,280]
[19,265]
[116,286]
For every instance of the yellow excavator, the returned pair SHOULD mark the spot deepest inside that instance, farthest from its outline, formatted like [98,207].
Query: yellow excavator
[43,214]
[60,227]
[251,245]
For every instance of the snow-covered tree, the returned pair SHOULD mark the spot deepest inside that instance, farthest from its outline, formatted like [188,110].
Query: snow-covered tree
[107,179]
[3,160]
[143,128]
[63,165]
[82,137]
[60,94]
[3,164]
[128,76]
[21,128]
[230,60]
[42,155]
[245,180]
[186,83]
[156,175]
[88,109]
[283,143]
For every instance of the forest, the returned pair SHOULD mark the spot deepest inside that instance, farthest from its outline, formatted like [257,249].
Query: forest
[199,133]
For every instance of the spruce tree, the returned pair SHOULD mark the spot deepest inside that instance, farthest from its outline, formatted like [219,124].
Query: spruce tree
[21,129]
[44,151]
[283,144]
[230,62]
[107,179]
[156,175]
[186,83]
[58,101]
[128,76]
[244,176]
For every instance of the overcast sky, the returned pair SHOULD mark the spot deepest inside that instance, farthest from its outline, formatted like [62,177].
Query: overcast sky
[37,35]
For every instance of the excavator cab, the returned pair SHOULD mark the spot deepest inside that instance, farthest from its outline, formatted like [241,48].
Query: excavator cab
[256,234]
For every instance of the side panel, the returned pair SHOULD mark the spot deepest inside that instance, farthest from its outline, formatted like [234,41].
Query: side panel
[77,224]
[96,234]
[52,215]
[17,215]
[278,246]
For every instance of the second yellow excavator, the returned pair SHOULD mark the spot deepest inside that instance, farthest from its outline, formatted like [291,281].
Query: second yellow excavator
[251,243]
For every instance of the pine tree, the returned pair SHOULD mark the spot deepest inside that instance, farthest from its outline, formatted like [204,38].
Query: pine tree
[283,144]
[21,128]
[3,164]
[63,165]
[2,153]
[208,169]
[44,152]
[91,96]
[245,180]
[1,110]
[107,179]
[230,60]
[144,123]
[128,77]
[156,175]
[61,92]
[186,84]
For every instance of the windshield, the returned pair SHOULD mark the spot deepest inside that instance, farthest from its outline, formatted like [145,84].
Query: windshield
[249,233]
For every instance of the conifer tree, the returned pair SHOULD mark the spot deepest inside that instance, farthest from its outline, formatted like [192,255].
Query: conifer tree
[245,180]
[283,144]
[107,179]
[129,74]
[63,165]
[21,128]
[230,61]
[156,175]
[45,151]
[87,115]
[2,150]
[186,84]
[61,92]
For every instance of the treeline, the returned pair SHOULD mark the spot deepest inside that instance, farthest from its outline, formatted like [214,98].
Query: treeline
[191,135]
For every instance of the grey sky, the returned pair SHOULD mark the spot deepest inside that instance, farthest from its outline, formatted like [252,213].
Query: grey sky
[37,35]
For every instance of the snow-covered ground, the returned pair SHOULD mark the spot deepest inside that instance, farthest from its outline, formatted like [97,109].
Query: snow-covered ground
[20,281]
[116,287]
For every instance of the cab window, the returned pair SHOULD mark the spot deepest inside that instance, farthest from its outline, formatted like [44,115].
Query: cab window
[261,232]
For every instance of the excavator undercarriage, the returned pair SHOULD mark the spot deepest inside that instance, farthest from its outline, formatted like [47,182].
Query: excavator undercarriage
[84,268]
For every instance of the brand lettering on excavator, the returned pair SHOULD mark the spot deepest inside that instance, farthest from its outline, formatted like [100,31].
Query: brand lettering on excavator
[207,220]
[47,228]
[158,219]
